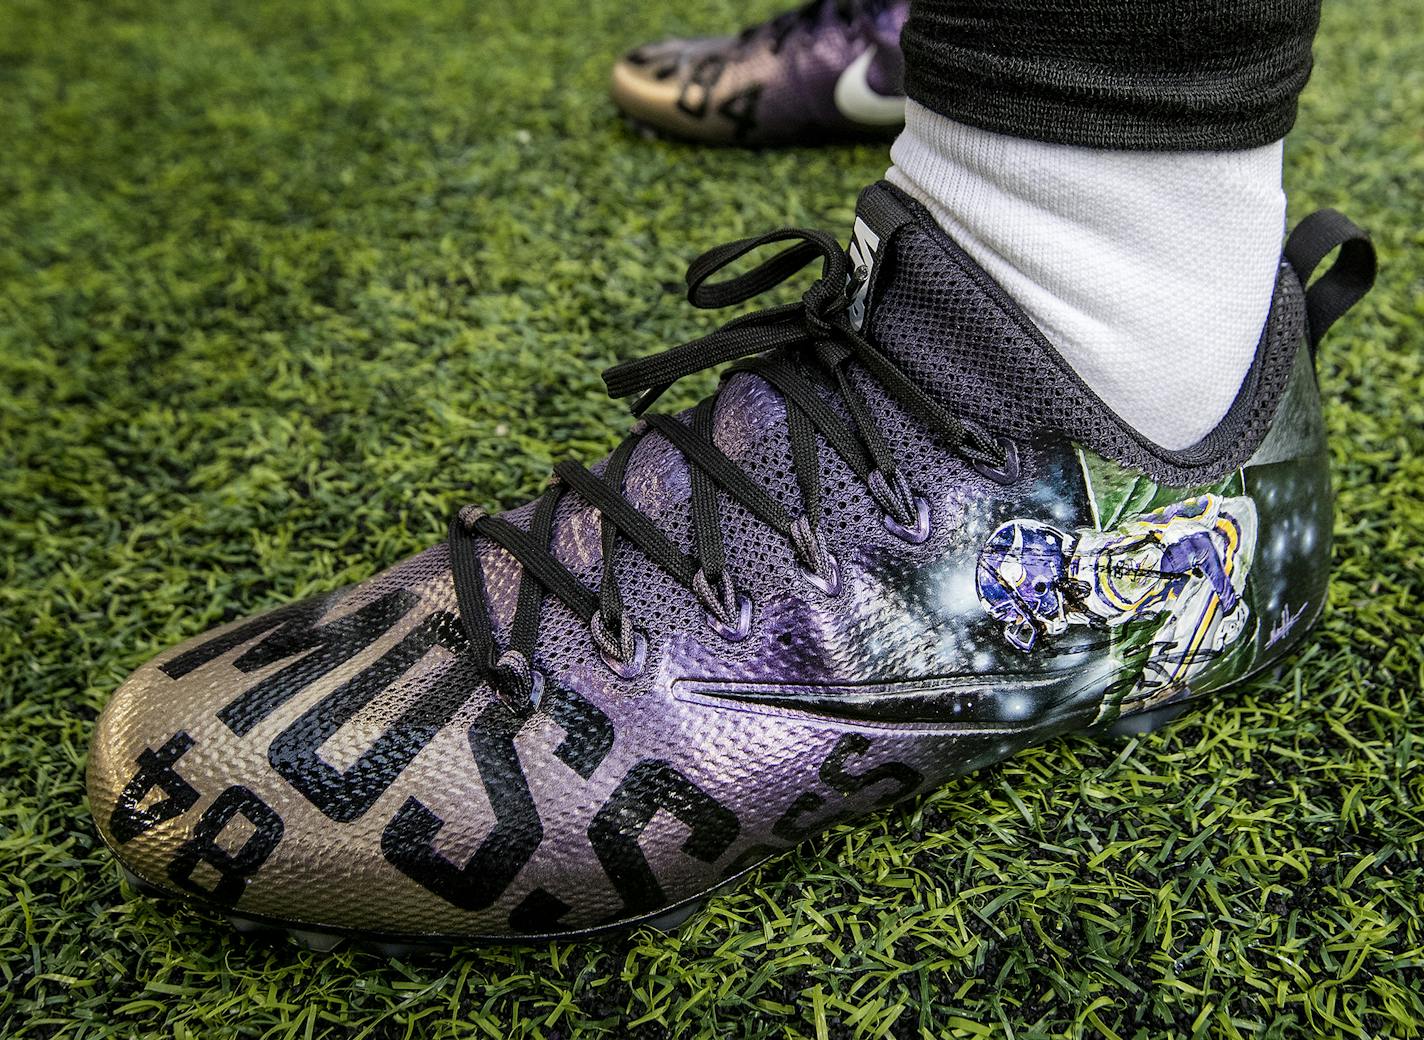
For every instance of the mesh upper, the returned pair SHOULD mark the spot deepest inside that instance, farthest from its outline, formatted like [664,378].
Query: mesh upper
[952,331]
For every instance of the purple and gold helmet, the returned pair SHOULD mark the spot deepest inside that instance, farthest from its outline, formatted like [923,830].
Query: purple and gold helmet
[1022,569]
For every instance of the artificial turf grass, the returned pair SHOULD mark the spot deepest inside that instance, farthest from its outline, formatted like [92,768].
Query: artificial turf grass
[283,285]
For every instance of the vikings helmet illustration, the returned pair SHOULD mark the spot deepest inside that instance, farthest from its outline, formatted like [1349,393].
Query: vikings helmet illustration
[1022,579]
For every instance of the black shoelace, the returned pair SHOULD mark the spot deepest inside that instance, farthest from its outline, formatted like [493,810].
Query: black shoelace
[805,350]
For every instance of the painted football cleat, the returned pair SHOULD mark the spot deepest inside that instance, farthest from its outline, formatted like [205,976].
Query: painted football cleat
[900,542]
[828,71]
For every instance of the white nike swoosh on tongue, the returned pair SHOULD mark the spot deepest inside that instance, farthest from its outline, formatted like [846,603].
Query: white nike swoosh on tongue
[859,103]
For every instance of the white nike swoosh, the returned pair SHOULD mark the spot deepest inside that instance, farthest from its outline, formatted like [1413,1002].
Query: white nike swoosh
[859,103]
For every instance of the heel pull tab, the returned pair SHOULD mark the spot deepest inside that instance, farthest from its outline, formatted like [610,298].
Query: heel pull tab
[1349,277]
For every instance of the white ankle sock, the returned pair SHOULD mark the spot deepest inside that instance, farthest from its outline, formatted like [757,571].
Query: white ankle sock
[1150,272]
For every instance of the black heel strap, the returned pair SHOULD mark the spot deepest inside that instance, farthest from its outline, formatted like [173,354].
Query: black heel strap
[1347,280]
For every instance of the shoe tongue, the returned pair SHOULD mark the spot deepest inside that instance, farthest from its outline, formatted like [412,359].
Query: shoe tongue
[948,326]
[933,312]
[879,214]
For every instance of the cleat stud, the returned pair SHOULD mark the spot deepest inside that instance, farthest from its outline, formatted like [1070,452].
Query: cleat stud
[1146,722]
[247,926]
[321,942]
[670,921]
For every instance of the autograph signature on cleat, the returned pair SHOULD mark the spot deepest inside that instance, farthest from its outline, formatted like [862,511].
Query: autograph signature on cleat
[1287,621]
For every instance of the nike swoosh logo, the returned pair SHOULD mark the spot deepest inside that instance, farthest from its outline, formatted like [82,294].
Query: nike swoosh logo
[978,703]
[859,103]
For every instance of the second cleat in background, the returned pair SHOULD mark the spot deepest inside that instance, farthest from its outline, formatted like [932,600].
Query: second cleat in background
[828,71]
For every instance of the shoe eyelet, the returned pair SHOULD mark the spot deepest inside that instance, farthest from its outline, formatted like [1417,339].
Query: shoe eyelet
[733,633]
[1006,473]
[536,688]
[829,583]
[632,668]
[518,668]
[916,535]
[857,278]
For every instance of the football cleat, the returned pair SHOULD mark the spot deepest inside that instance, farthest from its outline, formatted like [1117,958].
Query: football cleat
[831,70]
[900,542]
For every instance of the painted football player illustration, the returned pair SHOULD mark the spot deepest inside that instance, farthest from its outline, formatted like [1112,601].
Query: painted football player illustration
[1185,563]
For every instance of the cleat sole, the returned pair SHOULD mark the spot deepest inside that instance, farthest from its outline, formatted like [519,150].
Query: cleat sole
[1146,722]
[671,920]
[402,950]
